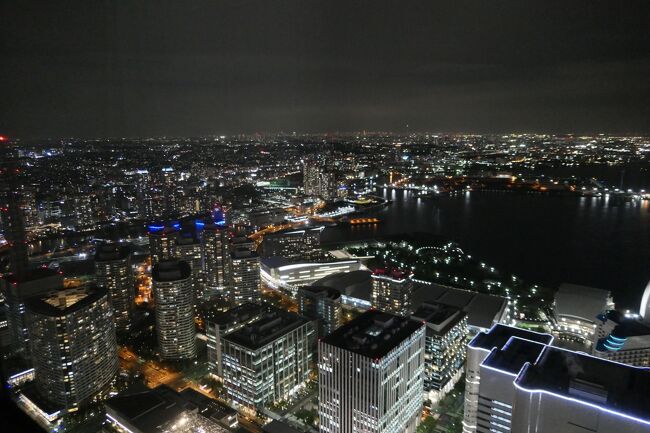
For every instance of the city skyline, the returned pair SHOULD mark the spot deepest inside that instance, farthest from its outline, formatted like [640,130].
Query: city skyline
[262,217]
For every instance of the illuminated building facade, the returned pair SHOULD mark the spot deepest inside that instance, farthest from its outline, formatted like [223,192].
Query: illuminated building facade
[18,289]
[624,338]
[446,339]
[528,386]
[189,249]
[73,344]
[293,245]
[245,278]
[371,375]
[576,312]
[392,291]
[162,242]
[476,417]
[267,360]
[113,271]
[174,296]
[322,304]
[216,263]
[279,273]
[223,323]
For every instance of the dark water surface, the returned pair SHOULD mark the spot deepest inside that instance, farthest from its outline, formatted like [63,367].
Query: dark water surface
[544,239]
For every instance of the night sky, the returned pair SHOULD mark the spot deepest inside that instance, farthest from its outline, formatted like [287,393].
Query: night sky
[135,68]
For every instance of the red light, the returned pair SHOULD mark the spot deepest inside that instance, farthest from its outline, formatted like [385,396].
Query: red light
[3,138]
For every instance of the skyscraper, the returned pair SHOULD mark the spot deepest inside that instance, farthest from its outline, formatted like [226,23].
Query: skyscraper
[174,297]
[371,375]
[14,218]
[18,289]
[392,291]
[113,271]
[162,242]
[245,278]
[216,257]
[189,249]
[72,338]
[318,181]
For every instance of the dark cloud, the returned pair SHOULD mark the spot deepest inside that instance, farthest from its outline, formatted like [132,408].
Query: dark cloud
[202,67]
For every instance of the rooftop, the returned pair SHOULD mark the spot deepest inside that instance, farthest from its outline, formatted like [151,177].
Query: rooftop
[356,284]
[111,252]
[171,270]
[320,292]
[580,301]
[440,318]
[294,232]
[482,309]
[241,313]
[499,335]
[149,411]
[272,325]
[607,385]
[65,301]
[243,253]
[395,274]
[514,355]
[373,334]
[32,275]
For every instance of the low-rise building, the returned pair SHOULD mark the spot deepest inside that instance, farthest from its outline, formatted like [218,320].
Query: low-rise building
[576,312]
[163,410]
[623,338]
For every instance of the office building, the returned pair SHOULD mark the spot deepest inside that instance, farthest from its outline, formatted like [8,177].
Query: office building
[216,253]
[162,242]
[174,296]
[72,338]
[163,410]
[392,291]
[477,350]
[576,311]
[623,338]
[527,386]
[445,347]
[267,360]
[18,289]
[371,375]
[113,271]
[220,324]
[245,277]
[323,305]
[293,245]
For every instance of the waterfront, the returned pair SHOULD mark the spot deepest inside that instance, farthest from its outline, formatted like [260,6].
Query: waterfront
[544,239]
